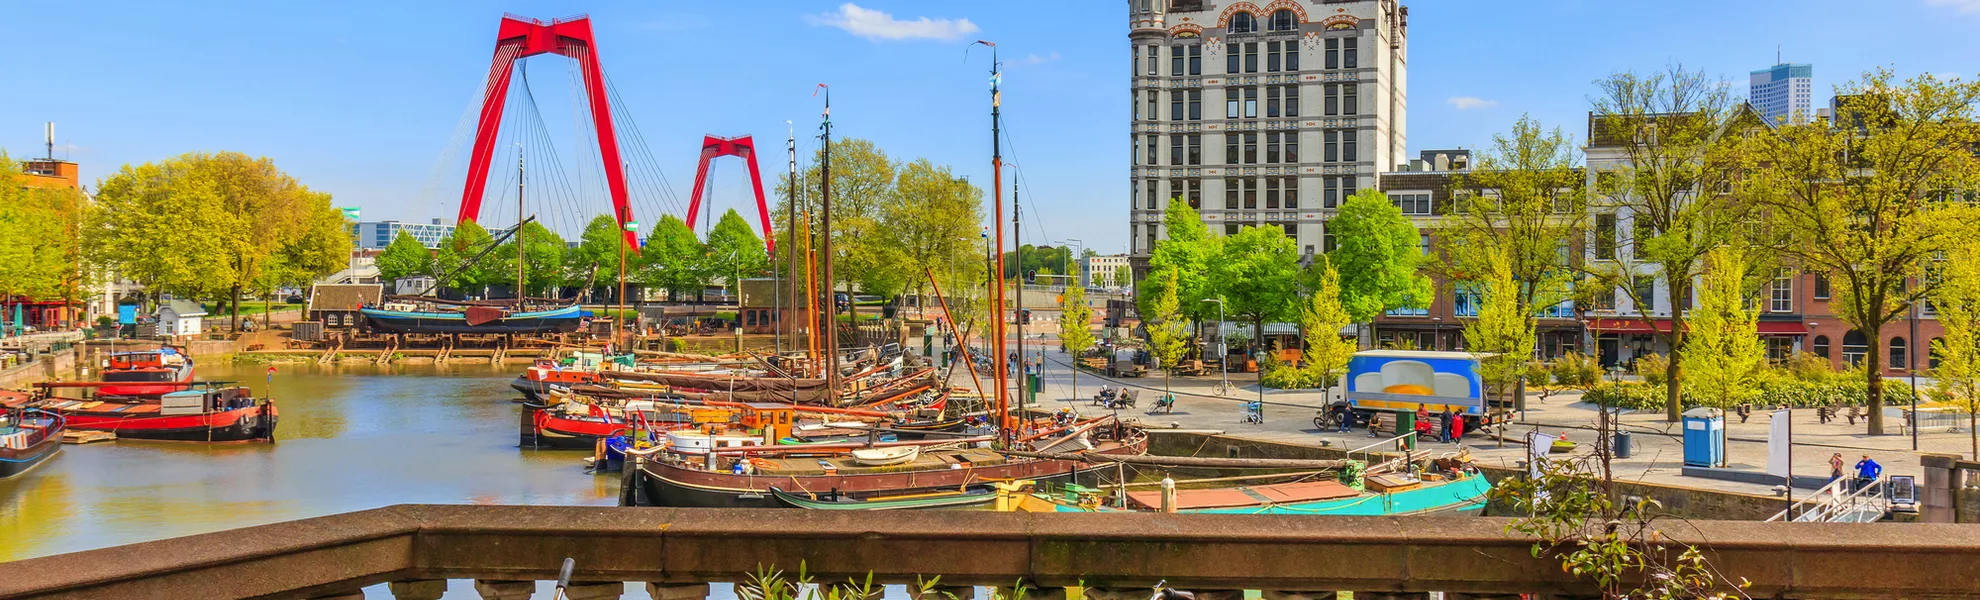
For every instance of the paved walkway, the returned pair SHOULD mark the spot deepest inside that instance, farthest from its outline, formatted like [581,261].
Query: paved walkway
[1659,447]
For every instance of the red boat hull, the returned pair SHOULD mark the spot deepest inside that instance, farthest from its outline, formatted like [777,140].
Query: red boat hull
[543,429]
[250,423]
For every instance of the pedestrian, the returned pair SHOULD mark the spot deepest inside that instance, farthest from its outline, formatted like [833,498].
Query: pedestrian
[1345,416]
[1867,472]
[1744,411]
[1825,412]
[1422,421]
[1835,467]
[1457,428]
[1444,425]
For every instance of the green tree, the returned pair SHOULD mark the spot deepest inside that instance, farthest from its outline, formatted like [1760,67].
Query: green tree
[734,250]
[146,228]
[932,225]
[543,261]
[863,181]
[1075,328]
[1727,358]
[450,261]
[1123,276]
[672,258]
[1186,251]
[40,253]
[1168,328]
[1378,252]
[1503,332]
[1321,318]
[1665,149]
[405,257]
[1957,301]
[1257,274]
[598,252]
[1861,202]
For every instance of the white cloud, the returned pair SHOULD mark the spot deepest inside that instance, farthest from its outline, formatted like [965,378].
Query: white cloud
[1965,7]
[1471,102]
[1033,59]
[880,26]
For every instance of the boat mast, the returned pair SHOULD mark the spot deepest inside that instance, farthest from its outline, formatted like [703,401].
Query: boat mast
[1002,411]
[519,225]
[825,226]
[784,324]
[1017,311]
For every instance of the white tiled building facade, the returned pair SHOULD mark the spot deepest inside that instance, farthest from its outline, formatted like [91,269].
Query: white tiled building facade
[1783,92]
[1262,113]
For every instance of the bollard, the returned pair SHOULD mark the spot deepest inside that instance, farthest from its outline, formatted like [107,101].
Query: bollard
[1168,494]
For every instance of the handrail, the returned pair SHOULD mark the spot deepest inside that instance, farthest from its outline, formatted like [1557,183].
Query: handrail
[1827,503]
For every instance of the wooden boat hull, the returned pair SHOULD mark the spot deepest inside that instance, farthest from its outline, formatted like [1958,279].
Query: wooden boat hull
[250,423]
[545,429]
[1464,497]
[967,498]
[561,320]
[15,461]
[664,484]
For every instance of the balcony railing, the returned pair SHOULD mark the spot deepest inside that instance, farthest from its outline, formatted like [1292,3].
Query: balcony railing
[678,551]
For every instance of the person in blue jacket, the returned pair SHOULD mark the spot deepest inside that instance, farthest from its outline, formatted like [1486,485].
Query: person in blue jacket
[1867,472]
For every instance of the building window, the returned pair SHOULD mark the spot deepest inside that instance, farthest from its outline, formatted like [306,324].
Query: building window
[1231,153]
[1153,195]
[1292,101]
[1154,143]
[1196,105]
[1250,148]
[1233,59]
[1347,146]
[1195,149]
[1271,193]
[1466,300]
[1330,150]
[1821,287]
[1899,356]
[1932,353]
[1176,100]
[1230,194]
[1292,56]
[1134,103]
[1349,103]
[1153,97]
[1854,347]
[1283,20]
[1330,192]
[1272,101]
[1272,57]
[1327,243]
[1291,229]
[1347,52]
[1333,53]
[1292,147]
[1411,204]
[1646,293]
[1642,232]
[1332,104]
[1604,300]
[1196,59]
[1251,103]
[1822,346]
[1605,236]
[1231,229]
[1176,192]
[1290,187]
[1243,22]
[1782,297]
[1250,194]
[1135,155]
[1154,58]
[1175,150]
[1272,148]
[1195,193]
[1176,57]
[1231,99]
[1251,57]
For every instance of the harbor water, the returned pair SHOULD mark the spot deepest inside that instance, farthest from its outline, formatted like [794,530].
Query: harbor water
[352,437]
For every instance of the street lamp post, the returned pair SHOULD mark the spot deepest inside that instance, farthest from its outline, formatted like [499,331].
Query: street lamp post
[1225,369]
[1078,277]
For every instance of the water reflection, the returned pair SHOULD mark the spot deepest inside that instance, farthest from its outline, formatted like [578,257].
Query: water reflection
[352,437]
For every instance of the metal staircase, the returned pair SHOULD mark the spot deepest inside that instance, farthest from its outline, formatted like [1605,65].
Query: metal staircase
[1837,503]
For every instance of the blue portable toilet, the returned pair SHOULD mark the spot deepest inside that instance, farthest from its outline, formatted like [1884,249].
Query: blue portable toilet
[1704,442]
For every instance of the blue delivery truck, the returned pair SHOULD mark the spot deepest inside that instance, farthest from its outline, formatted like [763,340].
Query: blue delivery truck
[1401,380]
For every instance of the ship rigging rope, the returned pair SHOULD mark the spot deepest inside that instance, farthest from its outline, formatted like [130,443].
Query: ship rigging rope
[643,162]
[430,193]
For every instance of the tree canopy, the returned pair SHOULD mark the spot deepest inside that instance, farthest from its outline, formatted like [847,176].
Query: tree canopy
[1257,274]
[405,257]
[1187,252]
[672,258]
[1378,252]
[39,249]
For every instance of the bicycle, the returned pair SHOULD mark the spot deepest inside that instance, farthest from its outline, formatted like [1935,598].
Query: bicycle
[1224,388]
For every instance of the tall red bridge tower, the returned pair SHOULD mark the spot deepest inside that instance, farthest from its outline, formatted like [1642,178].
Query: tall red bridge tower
[521,38]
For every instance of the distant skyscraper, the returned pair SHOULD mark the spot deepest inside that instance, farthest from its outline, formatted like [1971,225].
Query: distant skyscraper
[1784,92]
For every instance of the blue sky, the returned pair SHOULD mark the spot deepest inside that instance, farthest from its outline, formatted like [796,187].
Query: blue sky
[363,101]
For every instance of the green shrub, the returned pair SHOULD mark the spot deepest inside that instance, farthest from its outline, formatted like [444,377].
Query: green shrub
[1807,366]
[1652,368]
[1575,370]
[1778,390]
